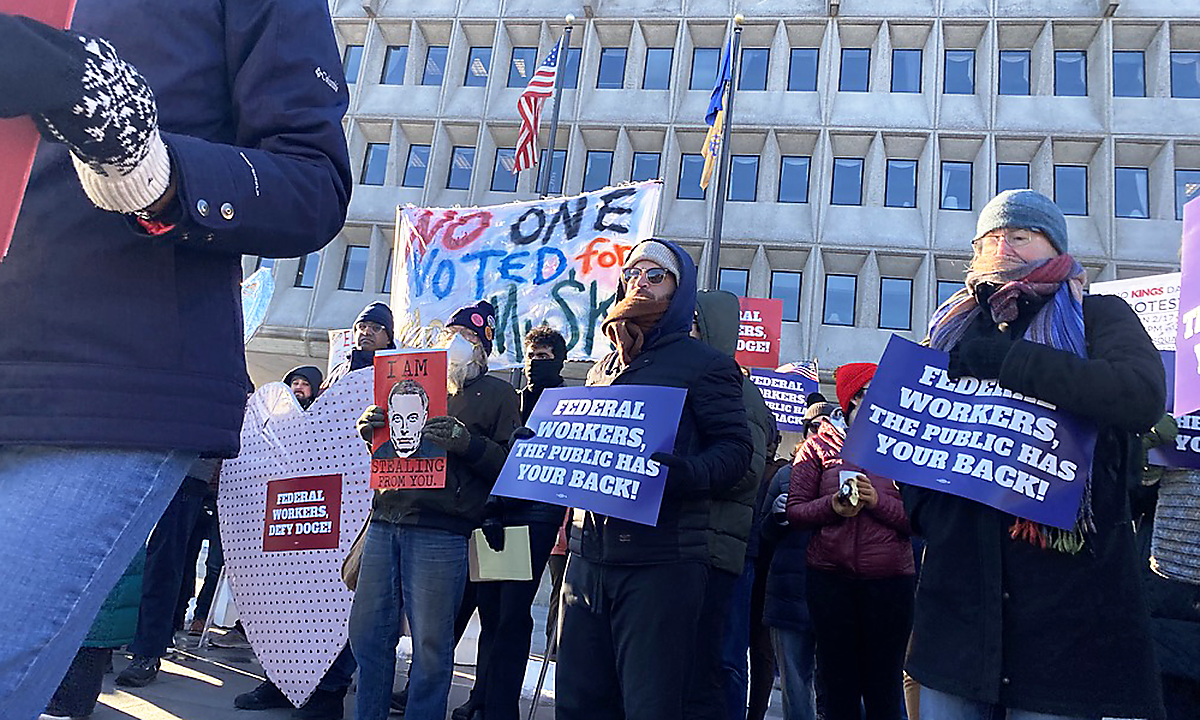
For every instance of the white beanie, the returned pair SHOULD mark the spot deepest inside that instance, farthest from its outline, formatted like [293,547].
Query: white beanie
[656,253]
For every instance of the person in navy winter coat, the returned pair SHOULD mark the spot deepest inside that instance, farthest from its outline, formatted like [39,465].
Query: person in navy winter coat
[181,136]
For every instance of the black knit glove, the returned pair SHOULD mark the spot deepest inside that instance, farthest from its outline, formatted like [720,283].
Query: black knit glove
[42,68]
[493,532]
[979,357]
[448,433]
[679,475]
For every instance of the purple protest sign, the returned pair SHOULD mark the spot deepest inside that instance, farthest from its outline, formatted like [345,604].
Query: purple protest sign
[592,450]
[970,438]
[1185,453]
[1187,338]
[786,394]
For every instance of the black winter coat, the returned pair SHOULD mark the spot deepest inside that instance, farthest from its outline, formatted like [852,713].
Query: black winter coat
[1001,621]
[786,605]
[513,512]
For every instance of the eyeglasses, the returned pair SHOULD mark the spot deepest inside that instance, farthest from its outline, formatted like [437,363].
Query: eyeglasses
[991,242]
[369,326]
[654,275]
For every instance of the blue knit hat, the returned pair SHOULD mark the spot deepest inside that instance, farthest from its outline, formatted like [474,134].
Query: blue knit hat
[1026,210]
[480,317]
[378,312]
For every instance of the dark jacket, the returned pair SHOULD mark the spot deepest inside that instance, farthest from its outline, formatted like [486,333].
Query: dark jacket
[529,396]
[874,543]
[732,515]
[149,329]
[1002,621]
[786,604]
[358,360]
[713,435]
[756,545]
[513,512]
[488,407]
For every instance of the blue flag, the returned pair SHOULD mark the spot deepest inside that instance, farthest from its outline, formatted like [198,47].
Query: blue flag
[716,102]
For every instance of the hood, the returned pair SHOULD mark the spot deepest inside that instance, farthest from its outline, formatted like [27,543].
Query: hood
[678,318]
[718,316]
[311,373]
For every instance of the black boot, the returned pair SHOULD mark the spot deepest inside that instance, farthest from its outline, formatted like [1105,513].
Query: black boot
[322,705]
[264,697]
[399,701]
[142,671]
[467,710]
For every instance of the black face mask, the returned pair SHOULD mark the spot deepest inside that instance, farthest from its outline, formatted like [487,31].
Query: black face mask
[543,373]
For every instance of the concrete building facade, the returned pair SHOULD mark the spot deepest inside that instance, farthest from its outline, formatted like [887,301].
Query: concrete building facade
[866,136]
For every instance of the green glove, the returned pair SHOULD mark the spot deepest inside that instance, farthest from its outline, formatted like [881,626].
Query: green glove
[448,433]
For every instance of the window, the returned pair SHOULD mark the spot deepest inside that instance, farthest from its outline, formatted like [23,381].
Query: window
[734,280]
[479,63]
[597,171]
[612,69]
[704,68]
[374,168]
[947,288]
[856,70]
[785,286]
[386,285]
[352,62]
[268,263]
[1014,72]
[1187,186]
[956,185]
[1070,73]
[570,69]
[802,70]
[645,166]
[840,299]
[503,177]
[691,167]
[901,188]
[1185,74]
[743,178]
[306,274]
[1132,192]
[1011,176]
[847,181]
[557,170]
[906,71]
[1070,189]
[522,67]
[753,73]
[415,168]
[793,179]
[354,268]
[435,65]
[1129,73]
[960,72]
[658,68]
[394,61]
[895,304]
[462,162]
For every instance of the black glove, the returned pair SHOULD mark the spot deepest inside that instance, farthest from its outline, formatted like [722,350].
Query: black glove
[42,68]
[979,357]
[680,468]
[448,433]
[521,433]
[374,417]
[493,532]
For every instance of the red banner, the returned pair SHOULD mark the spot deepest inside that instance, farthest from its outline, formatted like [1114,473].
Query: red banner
[18,136]
[303,513]
[410,386]
[759,332]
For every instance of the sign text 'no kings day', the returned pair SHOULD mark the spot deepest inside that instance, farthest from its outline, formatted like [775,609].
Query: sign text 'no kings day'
[410,386]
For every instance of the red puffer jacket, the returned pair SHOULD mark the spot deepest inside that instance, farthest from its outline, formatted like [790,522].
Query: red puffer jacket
[872,544]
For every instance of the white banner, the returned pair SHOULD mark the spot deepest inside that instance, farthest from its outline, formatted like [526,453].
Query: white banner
[1154,298]
[555,261]
[341,342]
[290,506]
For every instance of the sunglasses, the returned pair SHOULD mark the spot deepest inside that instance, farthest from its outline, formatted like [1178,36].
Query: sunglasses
[654,275]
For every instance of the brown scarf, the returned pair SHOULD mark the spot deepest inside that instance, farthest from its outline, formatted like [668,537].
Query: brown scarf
[628,322]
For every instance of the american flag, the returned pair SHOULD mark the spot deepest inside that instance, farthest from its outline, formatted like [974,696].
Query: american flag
[806,368]
[529,107]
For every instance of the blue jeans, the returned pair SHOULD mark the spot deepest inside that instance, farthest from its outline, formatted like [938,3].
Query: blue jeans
[422,572]
[795,657]
[942,706]
[735,650]
[71,519]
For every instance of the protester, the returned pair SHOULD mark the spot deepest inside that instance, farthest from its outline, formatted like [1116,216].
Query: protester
[785,605]
[305,380]
[415,557]
[163,168]
[860,567]
[635,591]
[726,609]
[374,330]
[1012,615]
[545,354]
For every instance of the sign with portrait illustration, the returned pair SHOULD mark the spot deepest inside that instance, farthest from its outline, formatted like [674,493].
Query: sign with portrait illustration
[410,386]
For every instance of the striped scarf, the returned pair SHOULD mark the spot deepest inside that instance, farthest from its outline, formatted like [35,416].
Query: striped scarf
[1058,323]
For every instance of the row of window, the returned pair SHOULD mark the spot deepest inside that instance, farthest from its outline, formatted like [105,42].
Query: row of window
[1131,200]
[1070,69]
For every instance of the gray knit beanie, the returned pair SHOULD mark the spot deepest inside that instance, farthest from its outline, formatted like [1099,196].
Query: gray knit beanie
[655,252]
[1026,210]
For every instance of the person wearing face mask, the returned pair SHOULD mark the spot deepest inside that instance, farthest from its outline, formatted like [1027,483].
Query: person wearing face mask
[1014,617]
[860,566]
[635,591]
[373,330]
[414,560]
[545,354]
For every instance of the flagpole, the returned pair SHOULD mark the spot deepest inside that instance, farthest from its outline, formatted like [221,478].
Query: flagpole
[714,248]
[544,173]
